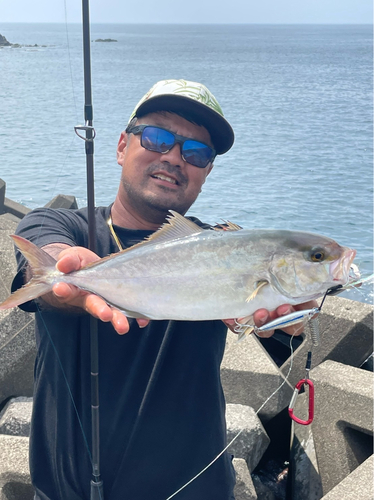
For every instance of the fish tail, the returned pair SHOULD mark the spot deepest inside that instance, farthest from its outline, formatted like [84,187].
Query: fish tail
[41,264]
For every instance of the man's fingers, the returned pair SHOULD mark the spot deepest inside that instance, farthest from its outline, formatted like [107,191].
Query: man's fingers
[142,322]
[260,317]
[74,258]
[231,324]
[95,306]
[120,322]
[64,292]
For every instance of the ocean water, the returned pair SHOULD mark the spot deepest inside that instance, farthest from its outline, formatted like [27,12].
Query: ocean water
[299,98]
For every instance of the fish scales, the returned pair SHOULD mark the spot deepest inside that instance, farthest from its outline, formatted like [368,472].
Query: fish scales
[186,273]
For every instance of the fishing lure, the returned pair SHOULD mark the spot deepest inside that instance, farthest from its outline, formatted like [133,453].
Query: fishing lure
[355,280]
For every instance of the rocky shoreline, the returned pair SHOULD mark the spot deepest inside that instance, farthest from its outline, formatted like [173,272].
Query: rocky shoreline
[330,459]
[4,43]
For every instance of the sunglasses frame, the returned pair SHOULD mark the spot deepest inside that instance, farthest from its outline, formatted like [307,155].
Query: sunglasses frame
[178,139]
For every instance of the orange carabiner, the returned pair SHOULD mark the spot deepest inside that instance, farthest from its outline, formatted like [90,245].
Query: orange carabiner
[311,402]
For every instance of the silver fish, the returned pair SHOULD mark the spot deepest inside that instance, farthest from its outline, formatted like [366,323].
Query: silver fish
[184,272]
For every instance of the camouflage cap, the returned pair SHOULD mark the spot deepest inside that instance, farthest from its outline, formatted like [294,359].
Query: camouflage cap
[194,99]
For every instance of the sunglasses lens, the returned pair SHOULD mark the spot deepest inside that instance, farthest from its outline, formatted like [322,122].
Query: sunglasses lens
[160,140]
[157,139]
[197,153]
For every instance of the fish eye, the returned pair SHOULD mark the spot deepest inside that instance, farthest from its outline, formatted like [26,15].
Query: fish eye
[317,255]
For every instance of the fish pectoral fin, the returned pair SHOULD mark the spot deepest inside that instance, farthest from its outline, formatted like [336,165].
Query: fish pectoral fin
[260,284]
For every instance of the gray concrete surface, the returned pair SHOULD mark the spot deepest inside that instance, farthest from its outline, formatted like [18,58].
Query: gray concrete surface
[15,483]
[343,421]
[359,485]
[17,353]
[15,417]
[252,442]
[7,259]
[346,329]
[62,201]
[17,340]
[304,472]
[250,376]
[244,489]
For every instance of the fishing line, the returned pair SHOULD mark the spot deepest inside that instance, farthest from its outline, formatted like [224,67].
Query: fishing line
[66,381]
[160,358]
[39,311]
[69,58]
[239,433]
[69,147]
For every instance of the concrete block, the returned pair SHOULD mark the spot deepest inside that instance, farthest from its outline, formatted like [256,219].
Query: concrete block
[357,486]
[8,265]
[62,201]
[249,377]
[346,328]
[2,195]
[14,208]
[252,442]
[17,342]
[17,353]
[343,420]
[304,472]
[15,482]
[15,418]
[244,489]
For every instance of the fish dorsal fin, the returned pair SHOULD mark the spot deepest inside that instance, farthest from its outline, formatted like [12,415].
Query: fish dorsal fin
[227,226]
[176,226]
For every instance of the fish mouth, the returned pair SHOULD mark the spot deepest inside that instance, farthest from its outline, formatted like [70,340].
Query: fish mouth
[339,269]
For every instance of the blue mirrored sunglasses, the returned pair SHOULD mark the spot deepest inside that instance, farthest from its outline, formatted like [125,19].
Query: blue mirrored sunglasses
[162,141]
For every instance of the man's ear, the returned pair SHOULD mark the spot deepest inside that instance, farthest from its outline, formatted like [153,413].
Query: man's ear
[121,146]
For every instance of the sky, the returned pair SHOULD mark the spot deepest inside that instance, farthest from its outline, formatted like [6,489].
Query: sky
[191,11]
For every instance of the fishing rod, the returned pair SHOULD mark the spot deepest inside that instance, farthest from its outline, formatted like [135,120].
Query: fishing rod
[97,492]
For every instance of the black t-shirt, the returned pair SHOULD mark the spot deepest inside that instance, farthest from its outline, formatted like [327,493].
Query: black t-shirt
[162,409]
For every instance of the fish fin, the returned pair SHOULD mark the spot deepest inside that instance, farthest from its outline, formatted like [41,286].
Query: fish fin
[245,332]
[244,327]
[260,284]
[37,258]
[227,226]
[40,262]
[176,226]
[33,289]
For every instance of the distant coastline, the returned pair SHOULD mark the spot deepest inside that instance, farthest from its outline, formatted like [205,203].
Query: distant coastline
[5,43]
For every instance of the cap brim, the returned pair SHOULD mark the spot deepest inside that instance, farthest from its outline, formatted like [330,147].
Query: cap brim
[220,130]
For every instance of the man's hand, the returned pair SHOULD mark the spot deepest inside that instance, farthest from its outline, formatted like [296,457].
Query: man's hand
[72,259]
[263,316]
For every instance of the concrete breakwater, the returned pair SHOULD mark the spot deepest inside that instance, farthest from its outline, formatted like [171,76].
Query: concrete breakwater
[331,459]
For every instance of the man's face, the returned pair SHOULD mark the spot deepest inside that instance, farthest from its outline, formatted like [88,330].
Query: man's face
[153,183]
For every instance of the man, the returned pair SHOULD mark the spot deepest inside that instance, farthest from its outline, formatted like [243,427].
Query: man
[161,402]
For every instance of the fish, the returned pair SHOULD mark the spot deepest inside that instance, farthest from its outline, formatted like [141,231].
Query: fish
[184,272]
